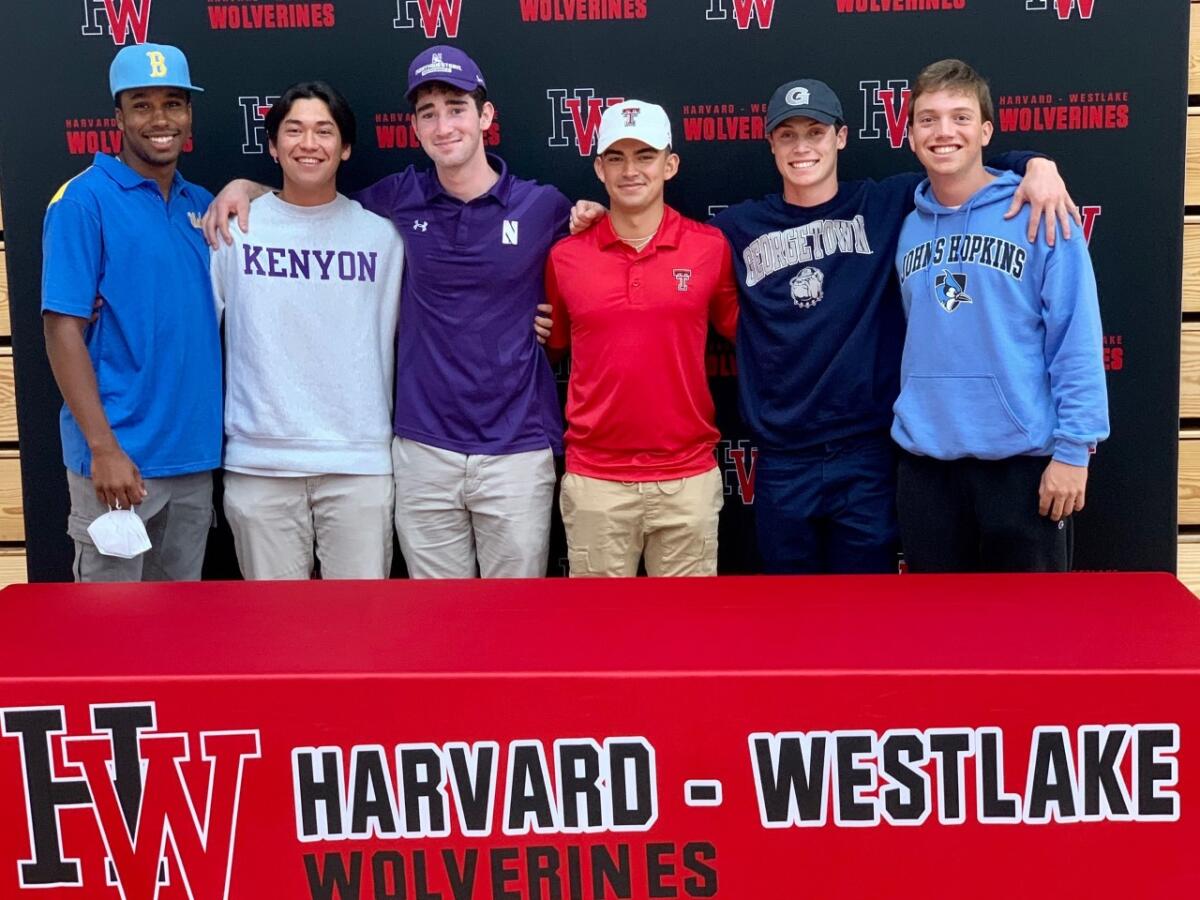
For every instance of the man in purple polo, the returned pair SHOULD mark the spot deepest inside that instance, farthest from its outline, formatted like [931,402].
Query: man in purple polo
[477,420]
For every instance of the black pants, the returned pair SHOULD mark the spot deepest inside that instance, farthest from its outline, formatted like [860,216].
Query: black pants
[975,515]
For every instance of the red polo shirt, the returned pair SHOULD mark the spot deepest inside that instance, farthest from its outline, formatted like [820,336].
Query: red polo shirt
[638,406]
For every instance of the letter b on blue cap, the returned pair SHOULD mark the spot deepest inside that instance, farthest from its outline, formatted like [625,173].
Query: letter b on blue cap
[149,65]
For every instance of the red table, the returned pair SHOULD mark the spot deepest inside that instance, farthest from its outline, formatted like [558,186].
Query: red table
[739,738]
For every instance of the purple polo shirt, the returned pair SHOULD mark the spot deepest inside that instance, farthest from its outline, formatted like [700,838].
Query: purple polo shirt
[470,374]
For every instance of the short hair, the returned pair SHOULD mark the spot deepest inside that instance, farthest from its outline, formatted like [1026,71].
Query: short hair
[339,109]
[479,95]
[952,75]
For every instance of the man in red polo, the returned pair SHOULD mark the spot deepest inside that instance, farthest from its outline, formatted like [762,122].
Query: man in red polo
[632,298]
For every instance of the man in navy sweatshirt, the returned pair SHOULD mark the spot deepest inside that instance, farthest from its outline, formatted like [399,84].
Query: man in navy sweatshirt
[821,332]
[1003,396]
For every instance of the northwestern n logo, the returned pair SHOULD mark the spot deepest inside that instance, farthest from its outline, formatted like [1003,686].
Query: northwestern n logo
[133,781]
[431,14]
[123,18]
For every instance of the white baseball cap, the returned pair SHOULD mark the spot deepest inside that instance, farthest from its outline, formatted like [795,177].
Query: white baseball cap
[636,119]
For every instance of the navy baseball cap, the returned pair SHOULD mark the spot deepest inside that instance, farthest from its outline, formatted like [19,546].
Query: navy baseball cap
[446,64]
[149,65]
[804,97]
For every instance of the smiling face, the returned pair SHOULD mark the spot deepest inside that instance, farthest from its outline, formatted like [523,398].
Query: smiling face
[450,126]
[948,134]
[155,124]
[634,174]
[309,149]
[805,152]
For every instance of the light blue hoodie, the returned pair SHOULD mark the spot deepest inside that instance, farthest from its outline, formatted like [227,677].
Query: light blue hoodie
[1004,351]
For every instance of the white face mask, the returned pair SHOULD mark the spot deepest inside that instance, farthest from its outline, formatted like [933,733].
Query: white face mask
[119,533]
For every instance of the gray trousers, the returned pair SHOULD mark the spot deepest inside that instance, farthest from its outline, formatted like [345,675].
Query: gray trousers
[178,513]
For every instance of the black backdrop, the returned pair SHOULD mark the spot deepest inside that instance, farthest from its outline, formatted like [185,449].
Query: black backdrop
[1099,85]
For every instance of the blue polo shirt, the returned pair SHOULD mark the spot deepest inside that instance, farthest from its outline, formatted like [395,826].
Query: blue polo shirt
[155,346]
[470,375]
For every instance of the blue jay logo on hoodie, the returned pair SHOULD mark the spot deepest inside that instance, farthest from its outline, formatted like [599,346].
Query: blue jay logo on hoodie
[950,289]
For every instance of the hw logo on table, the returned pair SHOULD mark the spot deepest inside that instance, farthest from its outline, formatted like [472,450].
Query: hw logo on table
[432,15]
[885,110]
[117,18]
[575,117]
[1064,8]
[254,116]
[131,777]
[744,12]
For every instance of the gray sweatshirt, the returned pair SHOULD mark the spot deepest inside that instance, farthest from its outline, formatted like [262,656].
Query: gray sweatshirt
[311,302]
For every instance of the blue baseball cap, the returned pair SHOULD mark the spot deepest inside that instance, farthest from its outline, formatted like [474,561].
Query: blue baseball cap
[446,64]
[149,65]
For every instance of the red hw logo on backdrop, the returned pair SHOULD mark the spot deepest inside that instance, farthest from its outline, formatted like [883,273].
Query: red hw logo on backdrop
[1063,8]
[120,19]
[744,12]
[885,110]
[575,117]
[158,824]
[435,17]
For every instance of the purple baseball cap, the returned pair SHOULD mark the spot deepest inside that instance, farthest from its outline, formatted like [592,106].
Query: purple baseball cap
[446,64]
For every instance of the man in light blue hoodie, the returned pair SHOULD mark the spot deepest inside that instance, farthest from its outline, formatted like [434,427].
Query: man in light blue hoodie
[1002,396]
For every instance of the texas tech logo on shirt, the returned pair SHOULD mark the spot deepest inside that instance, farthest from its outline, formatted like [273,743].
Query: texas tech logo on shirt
[120,19]
[1063,8]
[744,12]
[156,825]
[575,117]
[434,16]
[254,115]
[885,110]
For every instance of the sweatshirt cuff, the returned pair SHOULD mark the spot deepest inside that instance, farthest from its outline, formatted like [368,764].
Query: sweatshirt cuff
[1072,453]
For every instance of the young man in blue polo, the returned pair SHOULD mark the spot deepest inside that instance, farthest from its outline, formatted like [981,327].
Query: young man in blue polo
[141,426]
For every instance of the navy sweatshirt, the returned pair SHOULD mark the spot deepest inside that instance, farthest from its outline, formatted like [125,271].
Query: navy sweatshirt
[821,327]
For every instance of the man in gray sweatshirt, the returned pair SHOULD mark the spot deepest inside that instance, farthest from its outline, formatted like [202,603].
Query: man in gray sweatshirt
[310,310]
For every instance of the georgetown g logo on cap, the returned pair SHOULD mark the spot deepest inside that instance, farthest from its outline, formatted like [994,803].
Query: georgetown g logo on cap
[149,65]
[804,97]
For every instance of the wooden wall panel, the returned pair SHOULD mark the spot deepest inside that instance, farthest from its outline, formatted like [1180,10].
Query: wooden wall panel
[13,571]
[1189,370]
[1191,180]
[8,397]
[5,327]
[12,521]
[1194,51]
[1189,478]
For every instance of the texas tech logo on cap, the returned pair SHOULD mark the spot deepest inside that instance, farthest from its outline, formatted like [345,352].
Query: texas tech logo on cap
[254,115]
[131,777]
[1063,8]
[119,19]
[432,15]
[575,117]
[744,12]
[885,110]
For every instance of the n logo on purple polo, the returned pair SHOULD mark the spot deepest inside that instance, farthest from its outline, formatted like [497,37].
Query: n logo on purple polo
[508,234]
[309,265]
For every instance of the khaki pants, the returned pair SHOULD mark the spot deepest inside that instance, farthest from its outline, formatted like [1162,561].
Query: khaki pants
[276,521]
[610,524]
[453,509]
